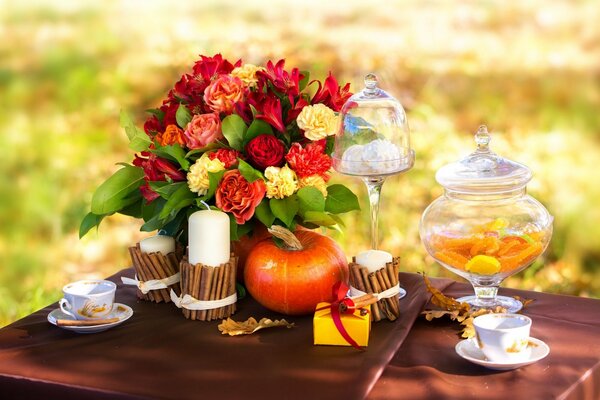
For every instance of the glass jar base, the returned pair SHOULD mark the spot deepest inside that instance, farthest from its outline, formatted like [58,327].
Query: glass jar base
[511,305]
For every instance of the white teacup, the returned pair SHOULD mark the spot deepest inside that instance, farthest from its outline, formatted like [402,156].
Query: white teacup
[88,299]
[503,337]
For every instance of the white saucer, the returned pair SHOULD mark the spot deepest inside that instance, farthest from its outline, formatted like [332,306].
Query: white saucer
[121,311]
[469,350]
[402,293]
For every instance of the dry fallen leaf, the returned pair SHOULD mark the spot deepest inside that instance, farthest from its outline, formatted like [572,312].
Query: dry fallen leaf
[441,300]
[248,327]
[457,311]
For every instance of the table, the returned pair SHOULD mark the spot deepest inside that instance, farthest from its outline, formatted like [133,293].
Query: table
[160,354]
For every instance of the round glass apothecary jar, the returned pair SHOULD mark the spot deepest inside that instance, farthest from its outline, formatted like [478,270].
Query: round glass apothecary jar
[485,227]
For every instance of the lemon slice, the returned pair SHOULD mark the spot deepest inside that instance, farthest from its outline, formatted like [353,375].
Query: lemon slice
[483,265]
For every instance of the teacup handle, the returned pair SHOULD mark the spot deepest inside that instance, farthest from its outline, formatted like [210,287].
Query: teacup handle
[66,307]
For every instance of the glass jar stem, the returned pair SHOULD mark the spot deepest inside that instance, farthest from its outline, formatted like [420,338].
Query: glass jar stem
[374,188]
[486,295]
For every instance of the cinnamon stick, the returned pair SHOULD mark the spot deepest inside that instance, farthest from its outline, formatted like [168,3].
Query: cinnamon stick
[204,289]
[215,290]
[141,272]
[387,285]
[184,284]
[232,284]
[159,273]
[383,303]
[225,289]
[392,302]
[369,289]
[86,322]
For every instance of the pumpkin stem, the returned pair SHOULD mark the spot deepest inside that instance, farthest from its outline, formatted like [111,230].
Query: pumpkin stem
[290,240]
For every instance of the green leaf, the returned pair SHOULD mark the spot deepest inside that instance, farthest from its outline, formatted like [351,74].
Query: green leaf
[152,224]
[213,182]
[249,172]
[310,199]
[183,116]
[157,112]
[257,127]
[285,209]
[138,140]
[174,152]
[135,208]
[208,147]
[165,189]
[234,128]
[182,197]
[304,81]
[90,221]
[112,195]
[264,214]
[340,199]
[236,231]
[338,219]
[153,208]
[319,218]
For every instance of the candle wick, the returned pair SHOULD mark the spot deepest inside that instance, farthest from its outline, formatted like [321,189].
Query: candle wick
[205,204]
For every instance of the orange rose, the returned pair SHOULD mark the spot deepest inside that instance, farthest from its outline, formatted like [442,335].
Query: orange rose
[238,196]
[172,135]
[202,130]
[223,93]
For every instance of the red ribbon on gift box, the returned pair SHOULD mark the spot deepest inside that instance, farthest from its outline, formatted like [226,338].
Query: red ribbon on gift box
[342,305]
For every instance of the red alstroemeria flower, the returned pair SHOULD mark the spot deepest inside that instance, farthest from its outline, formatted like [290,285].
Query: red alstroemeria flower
[155,169]
[208,67]
[309,160]
[285,82]
[271,113]
[191,90]
[330,94]
[295,109]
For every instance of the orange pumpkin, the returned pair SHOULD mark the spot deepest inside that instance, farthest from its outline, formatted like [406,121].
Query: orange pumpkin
[292,280]
[242,248]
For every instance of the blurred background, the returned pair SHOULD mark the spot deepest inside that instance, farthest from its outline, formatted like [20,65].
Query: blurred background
[529,70]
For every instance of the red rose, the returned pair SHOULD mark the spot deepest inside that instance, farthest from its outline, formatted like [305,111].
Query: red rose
[156,169]
[238,196]
[265,151]
[226,156]
[310,160]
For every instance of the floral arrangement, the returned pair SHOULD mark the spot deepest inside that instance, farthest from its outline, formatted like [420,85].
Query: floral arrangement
[251,141]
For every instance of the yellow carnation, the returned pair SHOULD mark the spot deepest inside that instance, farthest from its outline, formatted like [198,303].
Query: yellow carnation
[281,182]
[197,178]
[315,181]
[318,121]
[247,74]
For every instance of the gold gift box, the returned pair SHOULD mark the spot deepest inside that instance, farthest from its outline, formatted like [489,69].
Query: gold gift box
[324,330]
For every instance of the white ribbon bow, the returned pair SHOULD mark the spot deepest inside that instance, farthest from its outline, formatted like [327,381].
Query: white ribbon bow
[153,284]
[192,303]
[386,294]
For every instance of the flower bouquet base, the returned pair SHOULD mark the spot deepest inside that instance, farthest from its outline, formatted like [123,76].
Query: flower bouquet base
[383,283]
[208,293]
[156,273]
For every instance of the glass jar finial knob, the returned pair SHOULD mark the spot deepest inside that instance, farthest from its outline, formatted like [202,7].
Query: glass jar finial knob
[483,138]
[371,81]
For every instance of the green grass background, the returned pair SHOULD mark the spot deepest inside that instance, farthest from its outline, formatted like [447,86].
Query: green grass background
[529,70]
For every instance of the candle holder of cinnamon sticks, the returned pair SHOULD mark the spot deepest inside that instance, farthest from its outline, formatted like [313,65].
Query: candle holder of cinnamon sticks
[156,266]
[206,283]
[378,282]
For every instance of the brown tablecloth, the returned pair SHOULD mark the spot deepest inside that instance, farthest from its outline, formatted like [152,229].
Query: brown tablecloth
[160,354]
[426,366]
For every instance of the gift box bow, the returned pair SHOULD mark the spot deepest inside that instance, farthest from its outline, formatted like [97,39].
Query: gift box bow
[342,304]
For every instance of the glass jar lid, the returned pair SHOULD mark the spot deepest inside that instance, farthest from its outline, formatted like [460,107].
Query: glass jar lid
[483,171]
[374,139]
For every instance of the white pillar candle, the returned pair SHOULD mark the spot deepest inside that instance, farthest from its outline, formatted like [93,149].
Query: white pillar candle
[158,244]
[208,238]
[373,260]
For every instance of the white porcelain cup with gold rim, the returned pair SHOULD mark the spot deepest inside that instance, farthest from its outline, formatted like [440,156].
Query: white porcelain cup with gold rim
[88,298]
[503,338]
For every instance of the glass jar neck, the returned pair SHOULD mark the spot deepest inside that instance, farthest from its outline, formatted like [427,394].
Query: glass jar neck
[496,196]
